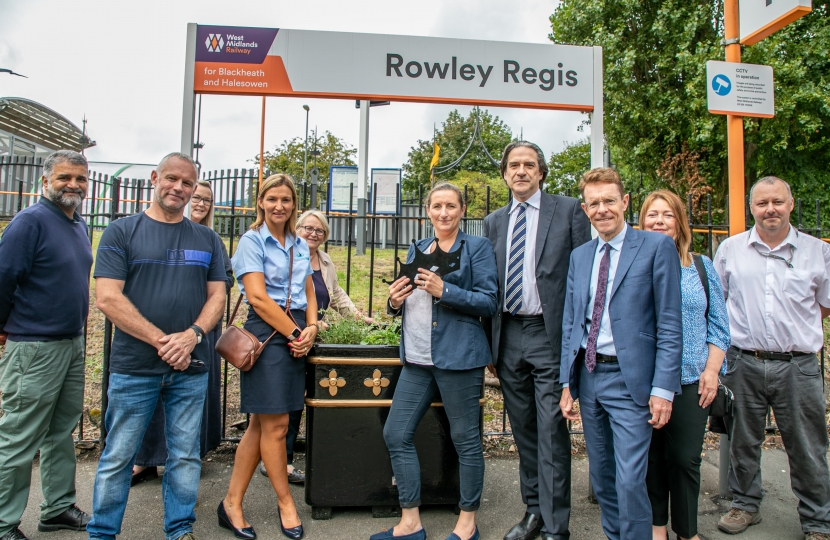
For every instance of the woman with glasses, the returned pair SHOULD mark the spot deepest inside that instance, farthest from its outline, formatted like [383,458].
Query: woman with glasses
[673,477]
[153,451]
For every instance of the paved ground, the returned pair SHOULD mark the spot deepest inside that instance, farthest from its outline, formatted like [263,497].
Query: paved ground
[500,508]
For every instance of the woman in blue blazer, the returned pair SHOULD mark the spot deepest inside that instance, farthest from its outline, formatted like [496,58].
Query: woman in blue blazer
[443,349]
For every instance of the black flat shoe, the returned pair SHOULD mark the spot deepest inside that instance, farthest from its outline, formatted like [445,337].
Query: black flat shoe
[148,473]
[14,534]
[225,522]
[295,533]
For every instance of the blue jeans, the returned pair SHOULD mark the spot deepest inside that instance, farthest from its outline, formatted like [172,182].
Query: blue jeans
[460,393]
[132,400]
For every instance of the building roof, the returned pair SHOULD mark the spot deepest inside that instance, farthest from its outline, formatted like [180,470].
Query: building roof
[39,124]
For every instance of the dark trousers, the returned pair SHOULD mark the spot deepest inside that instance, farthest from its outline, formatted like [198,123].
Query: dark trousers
[529,376]
[674,464]
[294,419]
[793,389]
[460,392]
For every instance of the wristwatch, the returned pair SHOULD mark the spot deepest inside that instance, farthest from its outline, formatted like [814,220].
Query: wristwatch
[199,333]
[294,335]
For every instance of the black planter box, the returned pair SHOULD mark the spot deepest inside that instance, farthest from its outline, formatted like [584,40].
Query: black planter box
[347,463]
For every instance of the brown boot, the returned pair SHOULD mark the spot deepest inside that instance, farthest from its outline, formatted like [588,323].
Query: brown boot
[737,521]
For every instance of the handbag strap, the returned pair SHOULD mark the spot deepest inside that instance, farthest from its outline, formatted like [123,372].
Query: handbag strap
[704,280]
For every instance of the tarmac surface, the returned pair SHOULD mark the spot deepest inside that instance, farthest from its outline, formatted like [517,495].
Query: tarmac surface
[500,509]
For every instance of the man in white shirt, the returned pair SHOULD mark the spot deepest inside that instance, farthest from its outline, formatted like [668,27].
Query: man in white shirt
[777,286]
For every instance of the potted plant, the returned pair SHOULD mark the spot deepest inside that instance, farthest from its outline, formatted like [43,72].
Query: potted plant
[351,374]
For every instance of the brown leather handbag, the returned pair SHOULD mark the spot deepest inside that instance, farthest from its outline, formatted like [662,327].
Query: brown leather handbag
[238,346]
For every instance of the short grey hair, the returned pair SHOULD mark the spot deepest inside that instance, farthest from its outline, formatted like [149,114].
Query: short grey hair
[540,156]
[62,156]
[321,217]
[770,181]
[177,155]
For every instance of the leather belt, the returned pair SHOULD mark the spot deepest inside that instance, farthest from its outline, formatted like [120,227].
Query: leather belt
[601,358]
[768,355]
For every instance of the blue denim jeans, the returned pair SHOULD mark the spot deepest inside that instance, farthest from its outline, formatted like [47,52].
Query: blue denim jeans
[132,400]
[460,393]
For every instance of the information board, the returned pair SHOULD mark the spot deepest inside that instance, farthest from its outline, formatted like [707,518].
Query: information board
[740,89]
[760,18]
[340,178]
[387,182]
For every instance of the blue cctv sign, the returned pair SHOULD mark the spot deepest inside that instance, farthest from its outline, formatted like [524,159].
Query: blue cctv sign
[721,84]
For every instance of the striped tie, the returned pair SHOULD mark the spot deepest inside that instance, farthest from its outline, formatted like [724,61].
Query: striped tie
[515,265]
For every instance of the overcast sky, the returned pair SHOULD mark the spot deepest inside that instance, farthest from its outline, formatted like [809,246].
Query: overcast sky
[122,65]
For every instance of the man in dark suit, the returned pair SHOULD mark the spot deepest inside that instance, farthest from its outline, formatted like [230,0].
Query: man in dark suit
[533,237]
[622,344]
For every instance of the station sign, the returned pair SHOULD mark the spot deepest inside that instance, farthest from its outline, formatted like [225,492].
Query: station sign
[760,18]
[740,89]
[305,63]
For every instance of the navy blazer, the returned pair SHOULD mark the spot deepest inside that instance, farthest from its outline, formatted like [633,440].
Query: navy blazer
[458,338]
[644,310]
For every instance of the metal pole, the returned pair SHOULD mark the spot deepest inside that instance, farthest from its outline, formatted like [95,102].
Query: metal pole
[734,127]
[350,224]
[189,96]
[362,175]
[261,142]
[723,468]
[305,151]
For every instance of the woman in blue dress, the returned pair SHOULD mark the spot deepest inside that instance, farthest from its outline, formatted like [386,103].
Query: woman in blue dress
[673,477]
[266,256]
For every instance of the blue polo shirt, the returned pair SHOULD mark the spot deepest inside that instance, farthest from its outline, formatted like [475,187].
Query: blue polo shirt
[45,258]
[258,251]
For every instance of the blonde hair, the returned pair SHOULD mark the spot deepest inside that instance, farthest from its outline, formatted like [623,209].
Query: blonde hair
[321,217]
[207,221]
[683,241]
[275,181]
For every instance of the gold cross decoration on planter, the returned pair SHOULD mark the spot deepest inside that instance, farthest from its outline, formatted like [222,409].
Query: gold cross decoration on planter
[376,382]
[334,382]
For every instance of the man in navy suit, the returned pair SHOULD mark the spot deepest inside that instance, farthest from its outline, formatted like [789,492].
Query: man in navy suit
[621,350]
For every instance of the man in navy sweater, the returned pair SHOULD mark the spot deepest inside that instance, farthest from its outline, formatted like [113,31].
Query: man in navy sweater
[45,259]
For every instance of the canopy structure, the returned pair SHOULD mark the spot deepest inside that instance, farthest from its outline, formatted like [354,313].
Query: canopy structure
[40,125]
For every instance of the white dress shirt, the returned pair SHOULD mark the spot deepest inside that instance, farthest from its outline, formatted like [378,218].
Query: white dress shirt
[773,307]
[531,304]
[605,339]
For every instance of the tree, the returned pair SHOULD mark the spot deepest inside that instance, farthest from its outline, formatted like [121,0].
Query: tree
[566,168]
[288,156]
[655,54]
[476,185]
[454,136]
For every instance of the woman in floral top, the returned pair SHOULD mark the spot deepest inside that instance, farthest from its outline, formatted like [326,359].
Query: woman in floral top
[675,453]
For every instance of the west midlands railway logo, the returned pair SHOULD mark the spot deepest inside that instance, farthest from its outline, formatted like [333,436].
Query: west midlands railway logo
[214,43]
[721,85]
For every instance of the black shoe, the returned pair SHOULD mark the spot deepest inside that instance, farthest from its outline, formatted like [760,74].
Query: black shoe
[547,536]
[14,534]
[72,518]
[527,529]
[295,533]
[225,522]
[148,473]
[296,477]
[262,469]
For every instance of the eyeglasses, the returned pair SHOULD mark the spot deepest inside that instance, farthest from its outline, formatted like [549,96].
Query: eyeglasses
[197,199]
[311,230]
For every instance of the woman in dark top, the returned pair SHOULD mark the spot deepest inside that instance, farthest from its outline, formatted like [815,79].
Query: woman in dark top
[153,451]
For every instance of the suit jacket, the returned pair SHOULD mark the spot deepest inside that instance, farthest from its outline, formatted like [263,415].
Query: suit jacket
[562,227]
[458,338]
[644,310]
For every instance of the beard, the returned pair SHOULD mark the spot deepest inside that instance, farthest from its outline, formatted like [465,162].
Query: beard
[172,208]
[65,198]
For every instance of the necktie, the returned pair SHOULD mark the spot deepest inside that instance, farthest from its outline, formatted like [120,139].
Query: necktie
[599,306]
[516,262]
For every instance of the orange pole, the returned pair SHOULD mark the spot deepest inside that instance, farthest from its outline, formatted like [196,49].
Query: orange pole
[734,129]
[261,141]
